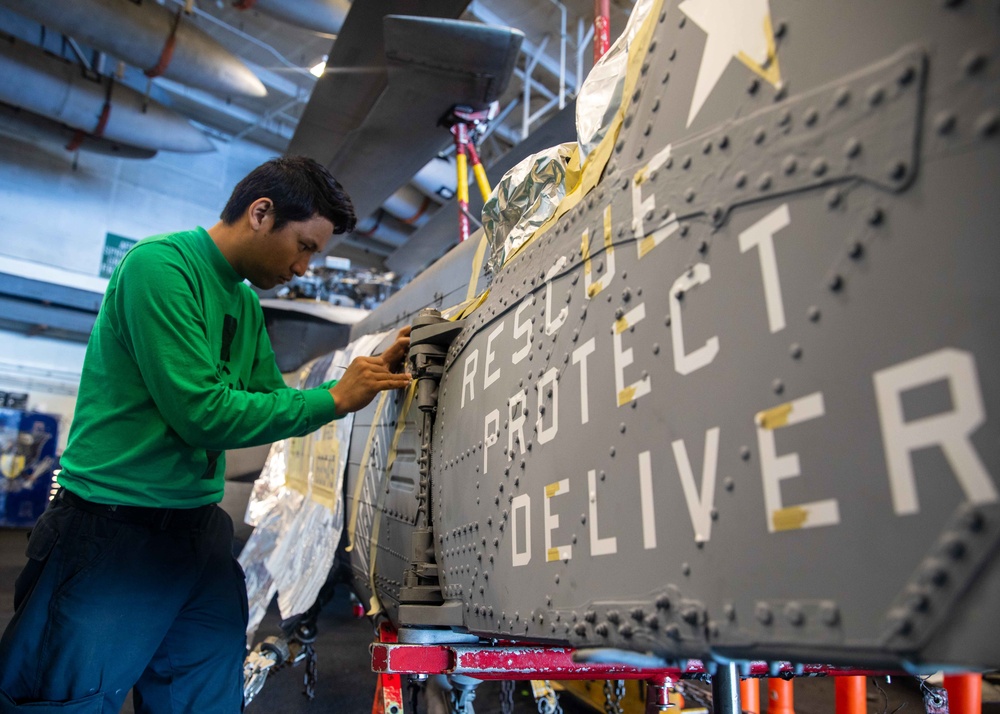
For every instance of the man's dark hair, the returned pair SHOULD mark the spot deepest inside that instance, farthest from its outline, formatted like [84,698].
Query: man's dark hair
[299,187]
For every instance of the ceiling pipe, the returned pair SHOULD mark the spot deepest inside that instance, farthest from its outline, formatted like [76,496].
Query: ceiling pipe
[326,16]
[602,28]
[410,206]
[581,45]
[245,117]
[562,52]
[437,179]
[304,71]
[22,124]
[59,90]
[148,36]
[383,228]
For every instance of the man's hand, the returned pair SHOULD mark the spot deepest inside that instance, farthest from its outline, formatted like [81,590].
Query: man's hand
[367,376]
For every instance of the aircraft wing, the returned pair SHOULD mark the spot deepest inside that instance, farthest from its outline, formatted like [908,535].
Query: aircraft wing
[356,74]
[434,64]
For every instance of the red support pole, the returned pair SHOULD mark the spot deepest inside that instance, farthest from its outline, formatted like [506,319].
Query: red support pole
[851,695]
[602,28]
[389,689]
[461,134]
[750,695]
[965,693]
[780,697]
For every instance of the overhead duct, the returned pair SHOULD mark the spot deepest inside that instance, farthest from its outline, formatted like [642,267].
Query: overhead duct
[437,179]
[60,90]
[383,228]
[144,34]
[22,124]
[325,16]
[410,206]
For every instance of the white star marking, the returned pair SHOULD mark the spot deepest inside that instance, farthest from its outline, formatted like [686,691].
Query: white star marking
[735,28]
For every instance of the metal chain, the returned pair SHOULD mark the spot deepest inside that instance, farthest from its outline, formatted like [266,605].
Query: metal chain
[309,679]
[545,697]
[935,699]
[613,695]
[255,671]
[550,706]
[507,696]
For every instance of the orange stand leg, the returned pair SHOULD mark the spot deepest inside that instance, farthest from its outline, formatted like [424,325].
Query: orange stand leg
[851,695]
[780,697]
[389,688]
[965,693]
[750,694]
[388,695]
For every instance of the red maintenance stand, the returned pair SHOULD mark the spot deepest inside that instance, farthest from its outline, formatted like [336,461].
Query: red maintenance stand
[511,661]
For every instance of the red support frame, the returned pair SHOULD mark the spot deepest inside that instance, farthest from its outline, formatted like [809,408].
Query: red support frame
[389,690]
[515,661]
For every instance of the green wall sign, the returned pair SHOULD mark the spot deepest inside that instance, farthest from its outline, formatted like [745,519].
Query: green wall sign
[115,248]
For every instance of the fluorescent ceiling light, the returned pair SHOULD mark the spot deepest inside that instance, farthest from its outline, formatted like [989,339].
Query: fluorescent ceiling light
[319,68]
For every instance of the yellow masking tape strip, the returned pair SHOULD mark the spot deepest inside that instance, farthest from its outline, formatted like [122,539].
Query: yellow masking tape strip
[790,519]
[774,418]
[769,71]
[625,396]
[552,554]
[473,306]
[477,266]
[621,324]
[353,523]
[645,245]
[608,242]
[551,490]
[374,606]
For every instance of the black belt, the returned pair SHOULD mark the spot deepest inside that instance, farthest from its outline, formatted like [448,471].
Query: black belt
[159,518]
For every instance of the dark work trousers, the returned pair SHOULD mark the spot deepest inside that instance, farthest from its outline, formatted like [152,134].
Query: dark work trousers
[104,605]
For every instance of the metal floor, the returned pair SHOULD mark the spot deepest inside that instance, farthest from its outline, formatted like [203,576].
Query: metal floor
[347,685]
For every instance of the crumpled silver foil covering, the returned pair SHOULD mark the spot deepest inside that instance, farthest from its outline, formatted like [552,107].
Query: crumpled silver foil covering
[264,495]
[523,200]
[528,194]
[297,509]
[601,92]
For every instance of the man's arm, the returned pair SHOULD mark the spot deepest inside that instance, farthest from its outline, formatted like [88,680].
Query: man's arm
[367,376]
[165,332]
[362,380]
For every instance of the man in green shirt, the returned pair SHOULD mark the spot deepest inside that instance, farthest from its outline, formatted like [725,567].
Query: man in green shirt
[130,580]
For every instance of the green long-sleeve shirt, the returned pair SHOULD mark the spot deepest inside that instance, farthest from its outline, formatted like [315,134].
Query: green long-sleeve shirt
[178,369]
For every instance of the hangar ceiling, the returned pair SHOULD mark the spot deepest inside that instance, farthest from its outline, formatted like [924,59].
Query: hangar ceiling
[555,55]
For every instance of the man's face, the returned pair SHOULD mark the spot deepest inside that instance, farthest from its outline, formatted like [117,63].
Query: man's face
[277,255]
